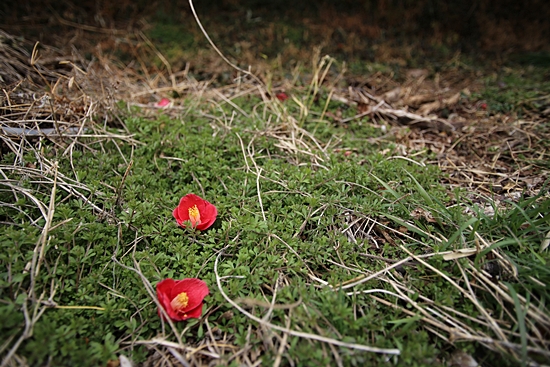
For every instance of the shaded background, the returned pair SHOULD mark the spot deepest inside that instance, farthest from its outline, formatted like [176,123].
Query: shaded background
[488,25]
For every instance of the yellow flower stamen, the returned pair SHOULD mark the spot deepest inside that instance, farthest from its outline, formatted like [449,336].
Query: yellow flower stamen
[180,302]
[194,216]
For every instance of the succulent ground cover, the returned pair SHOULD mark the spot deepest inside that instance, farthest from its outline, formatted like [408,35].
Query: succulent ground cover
[368,213]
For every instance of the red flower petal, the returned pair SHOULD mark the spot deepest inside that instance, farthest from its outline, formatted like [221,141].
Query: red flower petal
[163,294]
[208,212]
[195,313]
[196,290]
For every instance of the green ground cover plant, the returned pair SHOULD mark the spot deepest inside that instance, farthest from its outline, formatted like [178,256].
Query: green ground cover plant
[352,252]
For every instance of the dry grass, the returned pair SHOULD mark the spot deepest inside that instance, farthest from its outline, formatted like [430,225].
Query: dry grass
[492,330]
[486,154]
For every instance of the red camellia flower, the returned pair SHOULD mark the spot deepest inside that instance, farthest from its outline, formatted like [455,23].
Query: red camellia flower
[163,102]
[195,210]
[182,299]
[282,96]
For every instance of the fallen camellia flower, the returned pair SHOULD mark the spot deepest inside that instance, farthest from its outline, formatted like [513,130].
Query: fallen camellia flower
[282,96]
[163,102]
[195,210]
[182,299]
